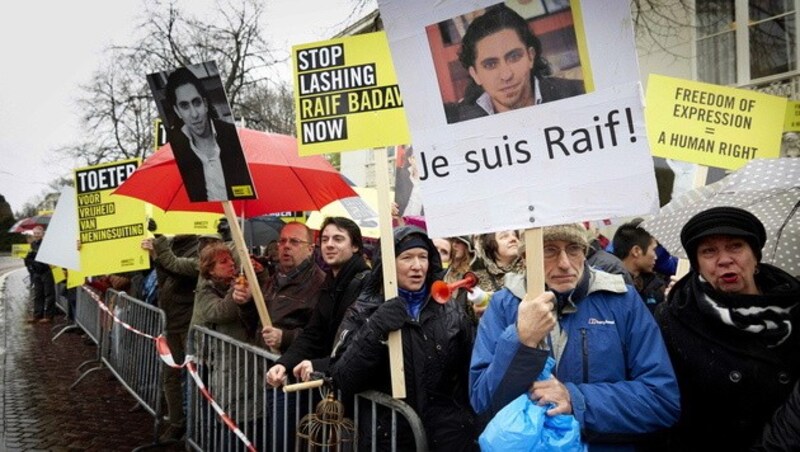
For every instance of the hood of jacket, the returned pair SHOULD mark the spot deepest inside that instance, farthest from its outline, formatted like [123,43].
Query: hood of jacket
[435,270]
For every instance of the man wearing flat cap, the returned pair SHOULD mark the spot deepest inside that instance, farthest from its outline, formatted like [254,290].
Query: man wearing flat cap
[730,326]
[612,371]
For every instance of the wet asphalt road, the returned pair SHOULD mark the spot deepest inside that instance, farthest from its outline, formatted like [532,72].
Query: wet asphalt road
[38,409]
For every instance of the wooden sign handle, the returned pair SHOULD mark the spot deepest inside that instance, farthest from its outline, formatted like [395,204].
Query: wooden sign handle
[247,266]
[395,339]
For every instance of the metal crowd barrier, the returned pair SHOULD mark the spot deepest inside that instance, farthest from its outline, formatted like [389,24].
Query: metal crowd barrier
[131,356]
[60,300]
[233,372]
[62,303]
[87,317]
[87,314]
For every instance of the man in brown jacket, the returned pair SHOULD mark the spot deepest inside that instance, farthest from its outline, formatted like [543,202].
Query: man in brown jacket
[292,292]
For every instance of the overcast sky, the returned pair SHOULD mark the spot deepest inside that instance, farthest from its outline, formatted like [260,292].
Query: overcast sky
[47,55]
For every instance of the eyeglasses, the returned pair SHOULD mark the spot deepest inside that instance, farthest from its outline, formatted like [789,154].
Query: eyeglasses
[292,241]
[574,250]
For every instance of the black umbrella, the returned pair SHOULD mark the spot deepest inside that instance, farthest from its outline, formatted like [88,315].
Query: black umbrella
[259,231]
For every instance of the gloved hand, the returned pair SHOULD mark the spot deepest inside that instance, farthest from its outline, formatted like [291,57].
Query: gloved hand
[478,296]
[390,316]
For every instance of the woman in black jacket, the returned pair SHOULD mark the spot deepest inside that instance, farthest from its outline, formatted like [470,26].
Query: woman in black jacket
[437,345]
[731,329]
[782,432]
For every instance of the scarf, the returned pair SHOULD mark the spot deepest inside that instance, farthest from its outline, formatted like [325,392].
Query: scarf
[414,300]
[768,315]
[283,279]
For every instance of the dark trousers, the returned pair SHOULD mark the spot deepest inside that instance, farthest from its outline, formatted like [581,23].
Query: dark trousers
[44,295]
[173,379]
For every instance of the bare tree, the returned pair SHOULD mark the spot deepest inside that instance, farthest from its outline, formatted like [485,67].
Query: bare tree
[117,110]
[270,109]
[657,23]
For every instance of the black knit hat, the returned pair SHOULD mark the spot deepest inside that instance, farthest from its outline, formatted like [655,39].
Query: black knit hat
[730,221]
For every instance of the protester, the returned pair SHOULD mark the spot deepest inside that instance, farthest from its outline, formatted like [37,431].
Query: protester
[730,326]
[506,66]
[499,254]
[637,250]
[309,354]
[44,286]
[462,260]
[176,263]
[437,340]
[341,245]
[216,306]
[445,249]
[293,291]
[612,370]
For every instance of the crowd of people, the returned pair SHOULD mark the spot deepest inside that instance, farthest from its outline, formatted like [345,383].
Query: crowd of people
[644,360]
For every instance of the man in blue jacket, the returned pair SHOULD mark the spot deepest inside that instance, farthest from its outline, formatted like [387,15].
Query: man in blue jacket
[612,369]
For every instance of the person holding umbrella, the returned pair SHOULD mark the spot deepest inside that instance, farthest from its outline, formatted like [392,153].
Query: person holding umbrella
[730,326]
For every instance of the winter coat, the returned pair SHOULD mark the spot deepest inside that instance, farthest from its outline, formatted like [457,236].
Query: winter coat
[601,259]
[614,362]
[177,272]
[731,382]
[35,268]
[291,299]
[316,340]
[215,309]
[490,275]
[650,287]
[782,432]
[436,351]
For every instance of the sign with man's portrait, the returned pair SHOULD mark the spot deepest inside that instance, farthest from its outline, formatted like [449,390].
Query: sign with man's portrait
[535,127]
[202,133]
[509,56]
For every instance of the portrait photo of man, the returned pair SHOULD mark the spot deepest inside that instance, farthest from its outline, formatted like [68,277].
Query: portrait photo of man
[503,65]
[207,149]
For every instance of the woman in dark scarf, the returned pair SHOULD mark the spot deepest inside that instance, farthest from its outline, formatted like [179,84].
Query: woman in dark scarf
[730,326]
[437,345]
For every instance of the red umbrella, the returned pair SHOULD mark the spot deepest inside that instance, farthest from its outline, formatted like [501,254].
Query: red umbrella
[283,180]
[26,224]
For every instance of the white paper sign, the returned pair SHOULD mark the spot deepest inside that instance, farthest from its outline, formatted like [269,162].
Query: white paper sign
[59,245]
[556,155]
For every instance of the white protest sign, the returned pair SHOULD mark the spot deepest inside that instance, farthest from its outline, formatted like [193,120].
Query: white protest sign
[569,157]
[59,245]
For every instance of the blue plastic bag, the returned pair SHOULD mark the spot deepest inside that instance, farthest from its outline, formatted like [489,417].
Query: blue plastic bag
[522,425]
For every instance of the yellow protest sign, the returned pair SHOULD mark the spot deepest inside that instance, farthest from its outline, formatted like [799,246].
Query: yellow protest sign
[347,96]
[111,227]
[75,278]
[20,250]
[792,120]
[177,222]
[712,125]
[58,274]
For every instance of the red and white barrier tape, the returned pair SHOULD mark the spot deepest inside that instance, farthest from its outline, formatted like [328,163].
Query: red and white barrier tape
[189,363]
